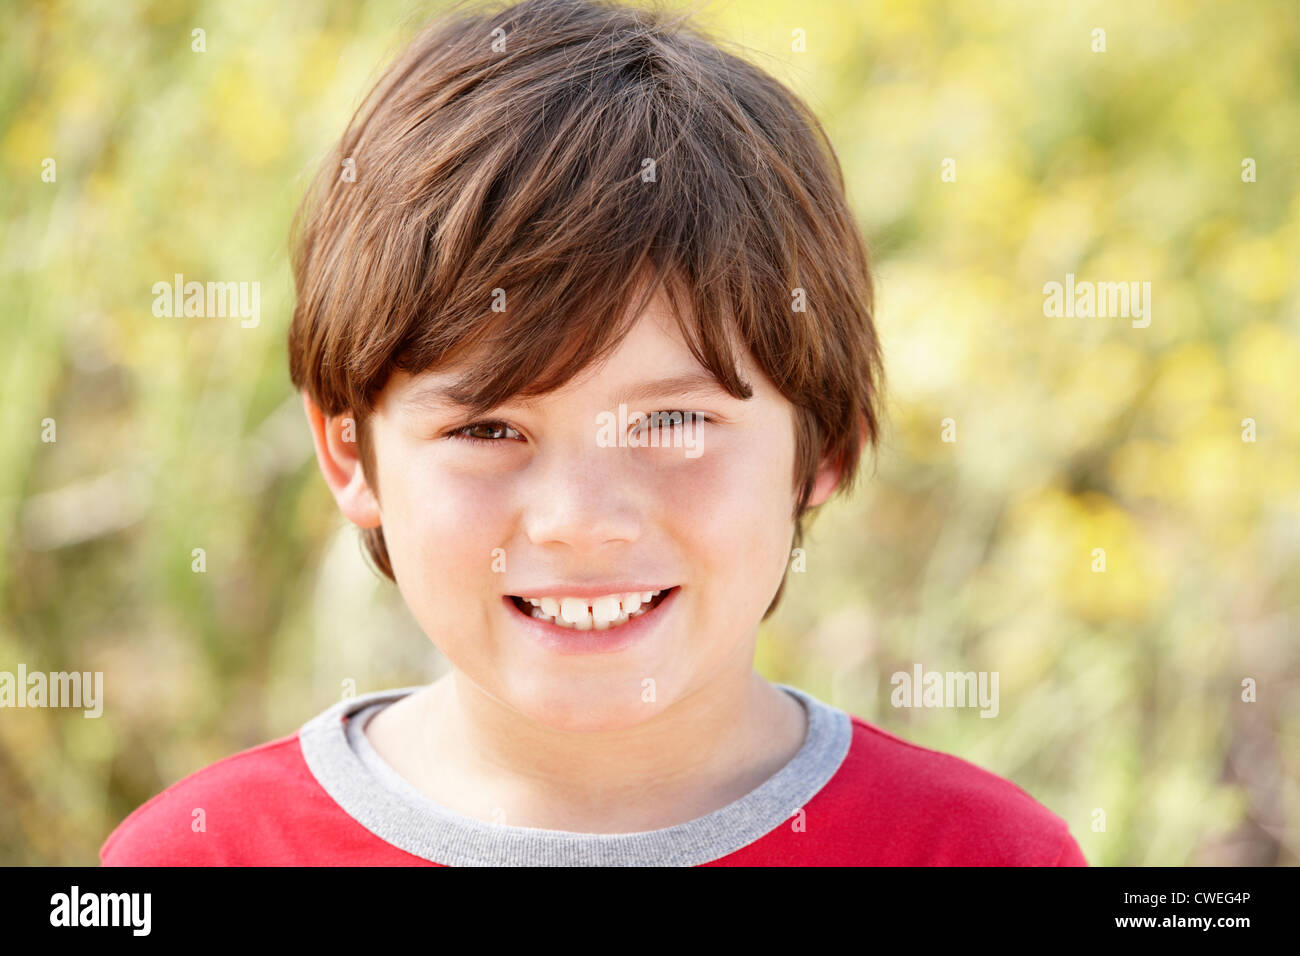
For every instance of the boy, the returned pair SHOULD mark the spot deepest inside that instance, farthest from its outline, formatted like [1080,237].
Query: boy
[584,332]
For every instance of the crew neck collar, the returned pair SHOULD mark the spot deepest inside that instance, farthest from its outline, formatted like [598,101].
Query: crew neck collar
[410,820]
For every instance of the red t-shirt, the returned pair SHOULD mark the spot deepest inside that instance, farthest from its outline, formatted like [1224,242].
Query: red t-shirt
[890,802]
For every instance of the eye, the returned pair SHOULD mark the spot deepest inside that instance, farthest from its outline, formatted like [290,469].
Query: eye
[486,433]
[671,419]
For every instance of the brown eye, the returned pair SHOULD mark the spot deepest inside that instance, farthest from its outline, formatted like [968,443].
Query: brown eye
[488,432]
[670,419]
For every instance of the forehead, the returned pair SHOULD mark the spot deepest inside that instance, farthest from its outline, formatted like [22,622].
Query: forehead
[653,359]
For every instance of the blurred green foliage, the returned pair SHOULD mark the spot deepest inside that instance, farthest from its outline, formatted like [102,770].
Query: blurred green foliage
[1121,691]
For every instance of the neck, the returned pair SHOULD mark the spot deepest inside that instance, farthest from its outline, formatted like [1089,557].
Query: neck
[479,757]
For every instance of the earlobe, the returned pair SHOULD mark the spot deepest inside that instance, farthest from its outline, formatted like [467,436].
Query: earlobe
[832,470]
[828,477]
[340,464]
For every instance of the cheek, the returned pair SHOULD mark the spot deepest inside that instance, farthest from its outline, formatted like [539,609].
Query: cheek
[731,508]
[441,526]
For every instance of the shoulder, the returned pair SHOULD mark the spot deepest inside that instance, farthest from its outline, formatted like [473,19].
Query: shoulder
[219,815]
[265,806]
[925,807]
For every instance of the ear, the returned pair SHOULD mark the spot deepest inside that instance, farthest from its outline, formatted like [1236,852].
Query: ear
[340,463]
[831,471]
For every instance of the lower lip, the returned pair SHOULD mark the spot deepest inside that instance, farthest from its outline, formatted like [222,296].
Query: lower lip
[566,640]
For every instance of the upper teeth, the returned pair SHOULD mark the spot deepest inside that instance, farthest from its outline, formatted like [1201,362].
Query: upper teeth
[598,613]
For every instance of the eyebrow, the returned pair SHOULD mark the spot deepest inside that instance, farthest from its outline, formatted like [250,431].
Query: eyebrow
[687,385]
[432,397]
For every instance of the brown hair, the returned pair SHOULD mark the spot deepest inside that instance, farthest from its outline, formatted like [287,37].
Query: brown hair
[566,151]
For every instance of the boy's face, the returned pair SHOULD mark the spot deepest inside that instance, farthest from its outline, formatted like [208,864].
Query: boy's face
[545,506]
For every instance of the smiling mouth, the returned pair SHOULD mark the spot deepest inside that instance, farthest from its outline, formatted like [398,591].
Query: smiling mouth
[591,614]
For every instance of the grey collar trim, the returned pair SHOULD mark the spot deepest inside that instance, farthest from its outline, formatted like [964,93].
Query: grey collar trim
[433,832]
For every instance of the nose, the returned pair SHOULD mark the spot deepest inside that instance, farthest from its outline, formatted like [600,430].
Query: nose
[583,496]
